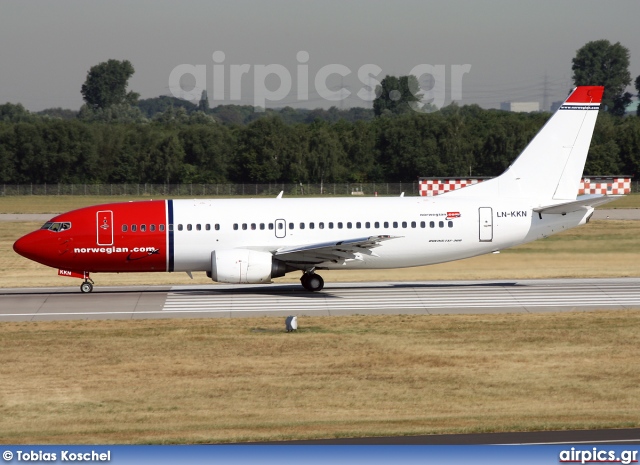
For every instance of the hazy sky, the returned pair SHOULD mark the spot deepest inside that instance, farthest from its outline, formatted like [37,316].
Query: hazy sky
[47,47]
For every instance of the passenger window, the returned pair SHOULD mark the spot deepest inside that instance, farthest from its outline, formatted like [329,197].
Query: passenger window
[143,228]
[330,224]
[244,226]
[280,225]
[441,224]
[134,227]
[152,227]
[189,227]
[291,225]
[450,224]
[312,225]
[432,224]
[349,225]
[404,224]
[367,225]
[395,224]
[339,225]
[124,228]
[179,227]
[423,224]
[198,227]
[301,225]
[413,224]
[170,228]
[217,227]
[358,225]
[253,226]
[386,224]
[270,226]
[321,225]
[376,224]
[207,227]
[235,226]
[262,226]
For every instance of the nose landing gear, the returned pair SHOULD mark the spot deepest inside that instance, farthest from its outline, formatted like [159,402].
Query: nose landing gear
[87,285]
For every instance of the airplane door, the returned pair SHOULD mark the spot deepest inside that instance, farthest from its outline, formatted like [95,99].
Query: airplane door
[281,228]
[104,226]
[486,224]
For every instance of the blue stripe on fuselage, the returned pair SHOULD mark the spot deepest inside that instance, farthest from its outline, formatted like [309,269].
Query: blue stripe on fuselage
[170,232]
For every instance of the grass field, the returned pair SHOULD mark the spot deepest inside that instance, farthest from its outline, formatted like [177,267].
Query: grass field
[233,380]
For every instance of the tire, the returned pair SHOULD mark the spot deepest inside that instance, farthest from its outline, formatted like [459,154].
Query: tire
[315,283]
[86,287]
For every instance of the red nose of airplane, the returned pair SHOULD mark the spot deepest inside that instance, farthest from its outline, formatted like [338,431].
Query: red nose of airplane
[25,246]
[33,246]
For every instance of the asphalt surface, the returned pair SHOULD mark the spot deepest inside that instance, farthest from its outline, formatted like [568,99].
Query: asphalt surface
[236,301]
[628,436]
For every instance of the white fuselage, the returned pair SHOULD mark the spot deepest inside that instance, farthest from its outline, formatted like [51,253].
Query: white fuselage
[427,230]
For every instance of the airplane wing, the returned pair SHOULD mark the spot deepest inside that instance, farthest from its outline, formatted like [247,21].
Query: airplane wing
[581,203]
[336,251]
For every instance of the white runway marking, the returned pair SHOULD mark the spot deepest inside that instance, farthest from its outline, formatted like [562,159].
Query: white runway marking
[453,297]
[427,297]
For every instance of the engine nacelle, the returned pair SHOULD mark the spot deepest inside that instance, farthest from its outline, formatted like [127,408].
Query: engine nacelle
[244,266]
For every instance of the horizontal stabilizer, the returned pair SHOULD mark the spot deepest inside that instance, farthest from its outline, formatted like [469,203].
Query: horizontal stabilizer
[581,203]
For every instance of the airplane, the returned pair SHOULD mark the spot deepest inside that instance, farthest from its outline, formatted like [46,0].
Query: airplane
[251,241]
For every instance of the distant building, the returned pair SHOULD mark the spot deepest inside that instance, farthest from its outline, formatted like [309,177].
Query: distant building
[632,108]
[556,105]
[520,107]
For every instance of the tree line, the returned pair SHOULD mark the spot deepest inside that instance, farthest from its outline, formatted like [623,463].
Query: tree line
[455,141]
[115,138]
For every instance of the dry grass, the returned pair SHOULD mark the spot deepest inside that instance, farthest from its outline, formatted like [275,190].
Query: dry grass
[604,248]
[231,380]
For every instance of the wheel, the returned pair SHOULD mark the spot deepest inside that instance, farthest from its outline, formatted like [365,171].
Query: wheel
[312,282]
[86,287]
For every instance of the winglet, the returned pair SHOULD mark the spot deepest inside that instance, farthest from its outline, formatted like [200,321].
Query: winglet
[280,195]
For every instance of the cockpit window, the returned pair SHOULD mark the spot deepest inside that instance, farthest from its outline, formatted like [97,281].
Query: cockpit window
[56,227]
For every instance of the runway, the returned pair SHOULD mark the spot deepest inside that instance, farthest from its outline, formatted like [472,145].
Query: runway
[233,301]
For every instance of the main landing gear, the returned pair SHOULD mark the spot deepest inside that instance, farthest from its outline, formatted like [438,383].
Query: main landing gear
[311,281]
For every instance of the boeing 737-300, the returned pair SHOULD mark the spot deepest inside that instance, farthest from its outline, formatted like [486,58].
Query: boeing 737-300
[255,240]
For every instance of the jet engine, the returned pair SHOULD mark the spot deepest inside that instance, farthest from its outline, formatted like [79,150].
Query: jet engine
[244,266]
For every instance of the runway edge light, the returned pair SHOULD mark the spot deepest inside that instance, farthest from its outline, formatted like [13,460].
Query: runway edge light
[291,323]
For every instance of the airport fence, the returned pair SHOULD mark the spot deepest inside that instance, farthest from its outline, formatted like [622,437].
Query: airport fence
[214,190]
[223,190]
